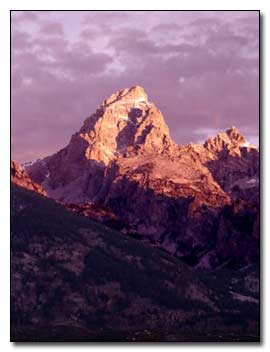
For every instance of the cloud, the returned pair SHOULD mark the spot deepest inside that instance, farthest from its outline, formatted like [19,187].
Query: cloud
[51,28]
[200,69]
[21,17]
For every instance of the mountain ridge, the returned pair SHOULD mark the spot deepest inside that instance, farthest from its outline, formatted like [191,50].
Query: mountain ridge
[124,160]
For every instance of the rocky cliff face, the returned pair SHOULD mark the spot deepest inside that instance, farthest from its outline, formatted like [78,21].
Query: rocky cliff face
[21,178]
[125,124]
[180,198]
[235,161]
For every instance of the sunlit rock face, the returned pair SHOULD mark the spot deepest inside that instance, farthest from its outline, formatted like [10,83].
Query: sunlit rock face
[126,122]
[124,160]
[21,178]
[225,140]
[234,161]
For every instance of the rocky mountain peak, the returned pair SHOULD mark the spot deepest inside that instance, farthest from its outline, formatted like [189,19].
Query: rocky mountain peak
[125,122]
[227,140]
[131,95]
[235,136]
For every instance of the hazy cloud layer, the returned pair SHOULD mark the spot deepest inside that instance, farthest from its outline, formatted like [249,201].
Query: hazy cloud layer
[200,68]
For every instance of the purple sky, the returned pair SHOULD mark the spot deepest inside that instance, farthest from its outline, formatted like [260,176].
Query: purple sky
[199,68]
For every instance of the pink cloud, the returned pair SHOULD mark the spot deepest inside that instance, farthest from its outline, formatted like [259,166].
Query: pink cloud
[201,70]
[51,28]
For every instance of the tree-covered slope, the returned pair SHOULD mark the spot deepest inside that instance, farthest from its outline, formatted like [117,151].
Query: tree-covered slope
[74,279]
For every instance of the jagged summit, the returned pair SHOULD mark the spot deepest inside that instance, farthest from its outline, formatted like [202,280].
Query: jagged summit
[227,140]
[232,129]
[126,124]
[133,95]
[235,136]
[124,134]
[126,121]
[124,162]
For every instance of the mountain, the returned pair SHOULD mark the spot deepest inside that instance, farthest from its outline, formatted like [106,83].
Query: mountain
[198,202]
[236,162]
[125,124]
[230,159]
[73,279]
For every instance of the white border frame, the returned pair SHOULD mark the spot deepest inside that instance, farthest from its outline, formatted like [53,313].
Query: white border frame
[5,7]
